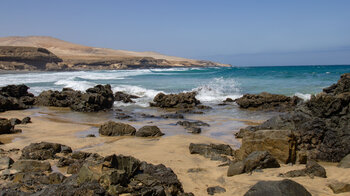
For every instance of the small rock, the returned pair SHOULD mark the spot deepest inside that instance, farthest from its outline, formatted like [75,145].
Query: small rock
[213,151]
[194,130]
[312,169]
[215,189]
[175,116]
[345,162]
[339,187]
[26,120]
[111,128]
[91,135]
[15,121]
[235,168]
[149,131]
[195,170]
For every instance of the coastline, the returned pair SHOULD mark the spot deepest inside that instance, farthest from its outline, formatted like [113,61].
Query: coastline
[171,151]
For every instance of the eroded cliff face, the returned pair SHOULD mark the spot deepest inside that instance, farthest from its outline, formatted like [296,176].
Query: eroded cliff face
[26,58]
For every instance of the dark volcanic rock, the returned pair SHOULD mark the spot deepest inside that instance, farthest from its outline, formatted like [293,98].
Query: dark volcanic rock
[267,101]
[220,152]
[15,121]
[15,97]
[256,160]
[5,126]
[345,162]
[181,100]
[26,120]
[94,175]
[43,150]
[126,98]
[277,188]
[321,126]
[215,189]
[149,131]
[312,169]
[111,128]
[95,99]
[192,126]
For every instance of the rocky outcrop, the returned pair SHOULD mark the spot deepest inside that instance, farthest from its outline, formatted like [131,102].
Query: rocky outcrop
[181,100]
[27,58]
[283,187]
[321,125]
[95,175]
[255,160]
[312,169]
[111,128]
[267,101]
[94,99]
[280,143]
[15,97]
[149,131]
[218,152]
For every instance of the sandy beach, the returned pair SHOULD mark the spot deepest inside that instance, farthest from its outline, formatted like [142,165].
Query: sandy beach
[172,151]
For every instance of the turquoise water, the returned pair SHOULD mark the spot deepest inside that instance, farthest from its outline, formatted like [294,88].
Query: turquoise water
[213,84]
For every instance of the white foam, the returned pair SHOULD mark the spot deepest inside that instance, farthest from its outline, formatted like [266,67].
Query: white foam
[146,95]
[218,90]
[76,85]
[305,97]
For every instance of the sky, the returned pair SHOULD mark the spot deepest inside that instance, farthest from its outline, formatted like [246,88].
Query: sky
[242,33]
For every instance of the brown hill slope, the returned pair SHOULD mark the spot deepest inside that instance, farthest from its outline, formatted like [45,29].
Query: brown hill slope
[77,56]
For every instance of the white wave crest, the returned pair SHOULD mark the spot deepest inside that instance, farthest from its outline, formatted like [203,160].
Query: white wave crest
[305,97]
[146,95]
[218,90]
[76,85]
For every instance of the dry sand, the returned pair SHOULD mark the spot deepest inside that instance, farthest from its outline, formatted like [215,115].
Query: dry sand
[171,151]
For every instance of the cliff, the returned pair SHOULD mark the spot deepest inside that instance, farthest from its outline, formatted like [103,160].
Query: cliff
[39,53]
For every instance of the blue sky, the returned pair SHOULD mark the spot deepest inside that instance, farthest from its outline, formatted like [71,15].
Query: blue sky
[247,32]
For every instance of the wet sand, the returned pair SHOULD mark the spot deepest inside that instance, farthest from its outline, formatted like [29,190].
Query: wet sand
[171,150]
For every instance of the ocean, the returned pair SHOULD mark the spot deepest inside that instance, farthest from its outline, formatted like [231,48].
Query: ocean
[212,84]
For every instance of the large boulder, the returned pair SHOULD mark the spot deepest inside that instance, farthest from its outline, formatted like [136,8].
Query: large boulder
[94,99]
[267,101]
[345,162]
[15,97]
[111,128]
[277,188]
[321,126]
[255,160]
[149,131]
[181,100]
[280,143]
[218,152]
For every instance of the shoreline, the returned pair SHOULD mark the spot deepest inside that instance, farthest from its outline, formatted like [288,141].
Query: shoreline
[172,151]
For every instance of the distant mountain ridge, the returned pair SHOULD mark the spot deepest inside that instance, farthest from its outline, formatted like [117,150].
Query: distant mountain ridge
[79,57]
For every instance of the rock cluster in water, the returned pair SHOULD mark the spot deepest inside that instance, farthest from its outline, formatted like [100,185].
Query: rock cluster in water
[94,99]
[181,100]
[267,101]
[93,174]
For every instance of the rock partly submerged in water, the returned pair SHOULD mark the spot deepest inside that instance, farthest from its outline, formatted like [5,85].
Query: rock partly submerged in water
[111,128]
[181,100]
[95,175]
[94,99]
[124,97]
[321,125]
[267,101]
[15,97]
[277,188]
[255,160]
